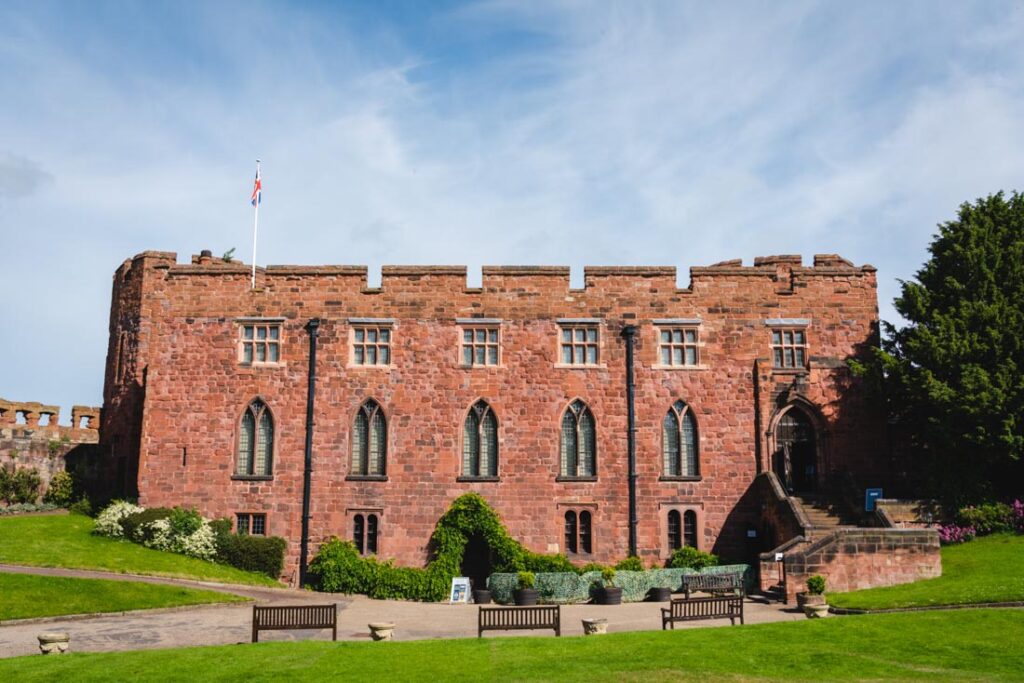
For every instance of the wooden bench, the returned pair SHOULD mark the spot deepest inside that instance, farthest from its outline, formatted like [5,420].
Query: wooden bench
[716,584]
[294,617]
[519,618]
[692,609]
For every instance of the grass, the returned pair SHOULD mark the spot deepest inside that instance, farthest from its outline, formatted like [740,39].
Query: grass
[67,541]
[27,596]
[933,646]
[987,569]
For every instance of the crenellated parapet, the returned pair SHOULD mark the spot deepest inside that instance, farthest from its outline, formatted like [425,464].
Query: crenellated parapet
[40,416]
[786,269]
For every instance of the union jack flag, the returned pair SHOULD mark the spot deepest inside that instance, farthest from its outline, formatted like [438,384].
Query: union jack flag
[257,188]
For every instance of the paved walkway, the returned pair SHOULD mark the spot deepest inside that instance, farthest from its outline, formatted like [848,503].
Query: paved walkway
[221,625]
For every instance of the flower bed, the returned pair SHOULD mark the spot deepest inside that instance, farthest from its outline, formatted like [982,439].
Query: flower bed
[568,587]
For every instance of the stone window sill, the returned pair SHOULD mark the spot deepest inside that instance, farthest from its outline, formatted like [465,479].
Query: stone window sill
[790,371]
[574,479]
[680,478]
[366,477]
[581,366]
[695,368]
[252,477]
[260,366]
[477,479]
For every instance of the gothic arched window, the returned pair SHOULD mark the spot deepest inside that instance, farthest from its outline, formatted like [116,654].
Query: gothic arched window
[480,442]
[579,441]
[679,442]
[369,440]
[255,441]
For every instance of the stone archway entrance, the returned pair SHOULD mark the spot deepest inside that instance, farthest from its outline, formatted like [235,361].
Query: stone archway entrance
[477,561]
[796,456]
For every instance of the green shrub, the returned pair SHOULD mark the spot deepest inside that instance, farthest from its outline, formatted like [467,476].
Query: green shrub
[631,564]
[691,558]
[816,584]
[538,563]
[20,486]
[82,506]
[607,576]
[61,490]
[526,580]
[590,567]
[264,554]
[135,527]
[989,518]
[184,522]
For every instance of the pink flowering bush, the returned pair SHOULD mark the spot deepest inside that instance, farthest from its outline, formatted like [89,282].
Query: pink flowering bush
[952,533]
[1018,516]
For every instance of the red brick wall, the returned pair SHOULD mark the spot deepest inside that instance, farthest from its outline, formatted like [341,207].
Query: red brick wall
[183,388]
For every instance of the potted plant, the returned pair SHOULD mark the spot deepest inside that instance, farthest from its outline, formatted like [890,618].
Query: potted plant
[525,595]
[609,593]
[813,601]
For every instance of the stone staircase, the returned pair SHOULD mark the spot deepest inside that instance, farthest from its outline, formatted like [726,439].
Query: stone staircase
[822,515]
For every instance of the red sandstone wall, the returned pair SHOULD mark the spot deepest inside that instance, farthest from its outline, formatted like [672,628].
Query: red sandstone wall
[184,381]
[854,559]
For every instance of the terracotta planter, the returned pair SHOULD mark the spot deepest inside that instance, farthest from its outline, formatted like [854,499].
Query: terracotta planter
[609,595]
[481,596]
[525,596]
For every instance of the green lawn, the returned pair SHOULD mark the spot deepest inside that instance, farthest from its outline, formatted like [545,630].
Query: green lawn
[27,596]
[988,569]
[934,646]
[66,541]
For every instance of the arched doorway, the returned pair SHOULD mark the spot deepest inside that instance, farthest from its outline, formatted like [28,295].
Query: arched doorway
[796,456]
[477,561]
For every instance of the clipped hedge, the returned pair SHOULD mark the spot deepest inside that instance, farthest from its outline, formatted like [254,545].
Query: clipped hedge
[570,587]
[263,554]
[337,566]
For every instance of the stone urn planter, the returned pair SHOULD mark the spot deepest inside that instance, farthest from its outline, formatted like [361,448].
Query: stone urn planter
[525,596]
[813,601]
[382,630]
[814,606]
[660,594]
[51,643]
[593,627]
[481,596]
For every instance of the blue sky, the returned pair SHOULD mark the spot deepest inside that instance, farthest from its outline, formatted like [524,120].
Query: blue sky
[675,133]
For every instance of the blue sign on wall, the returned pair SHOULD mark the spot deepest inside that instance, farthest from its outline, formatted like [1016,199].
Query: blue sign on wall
[870,496]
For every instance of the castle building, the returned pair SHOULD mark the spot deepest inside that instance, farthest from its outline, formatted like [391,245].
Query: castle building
[534,394]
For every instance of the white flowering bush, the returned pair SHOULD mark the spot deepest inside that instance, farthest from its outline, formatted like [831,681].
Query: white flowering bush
[108,522]
[183,532]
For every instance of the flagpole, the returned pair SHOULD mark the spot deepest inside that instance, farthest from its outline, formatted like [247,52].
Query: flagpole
[255,227]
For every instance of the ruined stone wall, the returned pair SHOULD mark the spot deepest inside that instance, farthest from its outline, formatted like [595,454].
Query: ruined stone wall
[186,391]
[31,437]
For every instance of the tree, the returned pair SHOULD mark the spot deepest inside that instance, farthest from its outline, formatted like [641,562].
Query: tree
[953,375]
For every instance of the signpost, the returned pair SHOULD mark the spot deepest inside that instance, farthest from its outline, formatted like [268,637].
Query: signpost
[460,590]
[870,496]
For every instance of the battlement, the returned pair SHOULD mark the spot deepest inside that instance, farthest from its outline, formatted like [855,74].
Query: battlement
[34,415]
[788,268]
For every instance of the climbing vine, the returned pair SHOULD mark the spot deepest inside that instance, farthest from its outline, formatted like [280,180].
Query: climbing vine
[338,567]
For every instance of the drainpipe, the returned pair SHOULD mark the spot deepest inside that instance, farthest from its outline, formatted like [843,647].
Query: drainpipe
[629,333]
[313,327]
